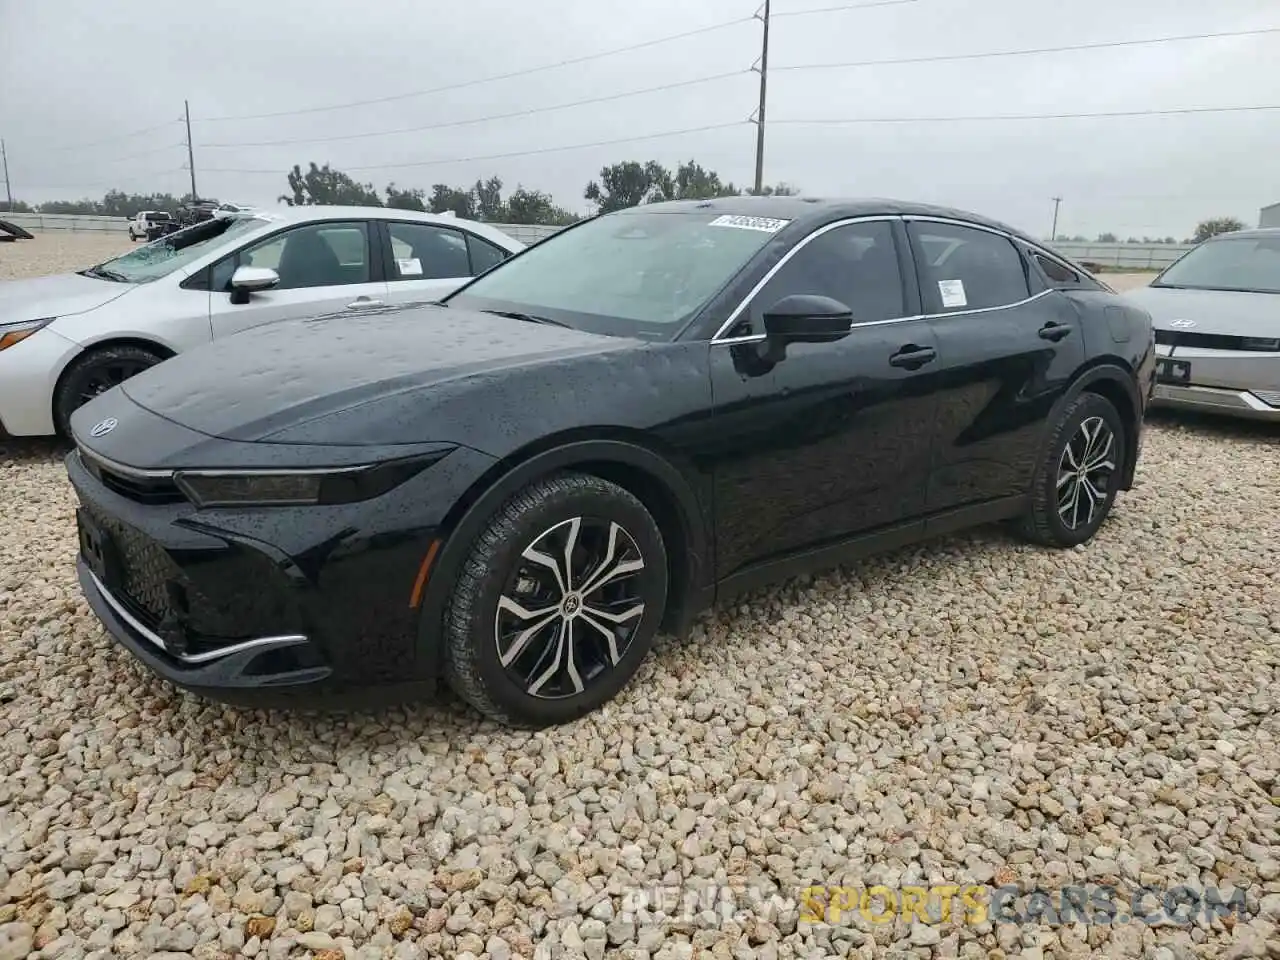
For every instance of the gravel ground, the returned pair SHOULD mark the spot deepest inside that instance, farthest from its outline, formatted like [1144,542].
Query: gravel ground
[972,710]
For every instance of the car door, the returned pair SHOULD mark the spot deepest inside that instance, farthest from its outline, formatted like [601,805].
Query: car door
[324,267]
[425,261]
[1009,346]
[834,440]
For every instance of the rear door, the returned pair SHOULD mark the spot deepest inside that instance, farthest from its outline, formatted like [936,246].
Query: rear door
[1009,347]
[425,261]
[324,267]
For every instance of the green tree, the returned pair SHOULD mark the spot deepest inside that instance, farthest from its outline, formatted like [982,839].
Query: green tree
[778,190]
[534,206]
[406,199]
[17,207]
[81,208]
[1211,228]
[693,182]
[447,199]
[623,185]
[1107,238]
[488,200]
[324,185]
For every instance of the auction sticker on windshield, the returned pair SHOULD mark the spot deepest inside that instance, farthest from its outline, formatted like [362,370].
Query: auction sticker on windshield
[764,224]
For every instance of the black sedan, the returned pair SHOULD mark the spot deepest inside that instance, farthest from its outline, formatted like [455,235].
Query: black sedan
[515,489]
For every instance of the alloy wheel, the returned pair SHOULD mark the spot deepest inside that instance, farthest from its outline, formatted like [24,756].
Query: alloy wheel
[1086,471]
[102,378]
[570,608]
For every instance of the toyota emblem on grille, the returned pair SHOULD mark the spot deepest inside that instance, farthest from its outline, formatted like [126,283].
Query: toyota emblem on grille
[1182,323]
[103,427]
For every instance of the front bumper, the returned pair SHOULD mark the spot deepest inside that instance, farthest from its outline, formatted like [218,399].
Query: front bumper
[284,606]
[1236,403]
[29,372]
[1229,382]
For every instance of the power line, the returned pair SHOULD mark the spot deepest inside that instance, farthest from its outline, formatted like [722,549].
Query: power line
[504,156]
[1101,45]
[116,139]
[143,153]
[843,7]
[1033,116]
[118,181]
[485,119]
[586,58]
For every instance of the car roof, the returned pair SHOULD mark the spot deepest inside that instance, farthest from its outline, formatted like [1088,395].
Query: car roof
[311,212]
[813,211]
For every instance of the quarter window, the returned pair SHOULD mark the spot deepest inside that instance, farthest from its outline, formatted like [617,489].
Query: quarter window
[315,255]
[1055,271]
[421,251]
[855,264]
[484,255]
[963,268]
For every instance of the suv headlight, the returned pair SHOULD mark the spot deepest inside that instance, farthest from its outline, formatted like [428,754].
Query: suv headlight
[11,333]
[292,488]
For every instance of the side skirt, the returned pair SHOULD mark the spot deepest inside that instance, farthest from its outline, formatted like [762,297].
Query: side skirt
[867,544]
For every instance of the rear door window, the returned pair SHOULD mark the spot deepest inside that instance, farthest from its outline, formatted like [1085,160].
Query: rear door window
[965,268]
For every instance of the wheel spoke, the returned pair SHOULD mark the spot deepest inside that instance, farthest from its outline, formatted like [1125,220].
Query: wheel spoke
[563,574]
[1069,456]
[629,614]
[610,638]
[541,618]
[1099,459]
[563,653]
[609,570]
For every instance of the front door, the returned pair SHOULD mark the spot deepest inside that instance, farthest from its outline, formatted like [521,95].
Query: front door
[324,267]
[1009,347]
[835,439]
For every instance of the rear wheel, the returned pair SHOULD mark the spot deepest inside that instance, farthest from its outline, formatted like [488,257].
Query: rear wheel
[557,603]
[94,373]
[1076,485]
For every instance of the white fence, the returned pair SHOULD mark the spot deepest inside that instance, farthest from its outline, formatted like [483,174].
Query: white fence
[1126,256]
[526,233]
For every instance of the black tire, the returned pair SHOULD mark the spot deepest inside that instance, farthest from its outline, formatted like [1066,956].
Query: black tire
[497,569]
[1055,518]
[95,372]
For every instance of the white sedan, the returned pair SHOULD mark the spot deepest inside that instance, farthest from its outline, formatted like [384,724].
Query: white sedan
[64,339]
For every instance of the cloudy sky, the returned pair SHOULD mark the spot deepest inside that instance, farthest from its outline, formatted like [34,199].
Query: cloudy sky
[78,77]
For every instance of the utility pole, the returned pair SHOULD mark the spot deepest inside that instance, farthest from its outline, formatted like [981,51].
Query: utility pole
[1053,234]
[763,16]
[191,157]
[8,188]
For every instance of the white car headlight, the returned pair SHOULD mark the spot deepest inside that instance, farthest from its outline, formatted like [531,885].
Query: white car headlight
[11,333]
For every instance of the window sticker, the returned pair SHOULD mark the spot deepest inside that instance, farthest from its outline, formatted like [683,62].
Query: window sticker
[952,293]
[763,224]
[409,267]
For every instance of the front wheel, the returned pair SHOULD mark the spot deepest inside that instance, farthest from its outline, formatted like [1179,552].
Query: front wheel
[94,373]
[557,603]
[1077,483]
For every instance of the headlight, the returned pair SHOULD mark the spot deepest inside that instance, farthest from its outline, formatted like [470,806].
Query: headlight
[11,333]
[1264,344]
[291,488]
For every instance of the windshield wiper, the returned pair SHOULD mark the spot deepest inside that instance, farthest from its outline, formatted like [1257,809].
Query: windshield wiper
[104,274]
[527,317]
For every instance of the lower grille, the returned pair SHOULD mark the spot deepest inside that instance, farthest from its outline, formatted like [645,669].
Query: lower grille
[1209,341]
[1270,397]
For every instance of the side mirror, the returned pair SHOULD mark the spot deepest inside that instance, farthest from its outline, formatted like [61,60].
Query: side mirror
[248,280]
[803,318]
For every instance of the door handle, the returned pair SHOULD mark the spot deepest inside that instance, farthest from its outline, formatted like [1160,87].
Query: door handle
[1054,331]
[913,357]
[363,303]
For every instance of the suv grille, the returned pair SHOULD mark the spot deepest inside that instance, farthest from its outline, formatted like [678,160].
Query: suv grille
[1209,341]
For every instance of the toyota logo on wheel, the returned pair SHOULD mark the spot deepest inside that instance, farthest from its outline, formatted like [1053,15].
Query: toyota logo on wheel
[1182,323]
[103,427]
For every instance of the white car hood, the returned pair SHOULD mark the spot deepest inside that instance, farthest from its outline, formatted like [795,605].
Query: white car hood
[61,295]
[1225,312]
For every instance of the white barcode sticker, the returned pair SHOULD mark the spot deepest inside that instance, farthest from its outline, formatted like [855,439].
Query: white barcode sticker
[952,293]
[763,224]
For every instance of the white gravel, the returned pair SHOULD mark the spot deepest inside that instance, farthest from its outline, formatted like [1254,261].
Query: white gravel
[970,710]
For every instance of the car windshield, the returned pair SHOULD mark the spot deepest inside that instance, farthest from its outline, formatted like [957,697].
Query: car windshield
[161,257]
[1247,264]
[637,273]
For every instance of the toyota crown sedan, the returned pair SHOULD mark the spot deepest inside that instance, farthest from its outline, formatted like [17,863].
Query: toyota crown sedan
[514,489]
[1216,312]
[65,339]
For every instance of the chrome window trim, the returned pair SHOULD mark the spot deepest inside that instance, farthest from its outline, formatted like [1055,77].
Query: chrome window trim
[719,338]
[193,658]
[1032,244]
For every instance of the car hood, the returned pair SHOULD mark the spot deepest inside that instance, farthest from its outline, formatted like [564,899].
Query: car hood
[257,384]
[61,295]
[1224,312]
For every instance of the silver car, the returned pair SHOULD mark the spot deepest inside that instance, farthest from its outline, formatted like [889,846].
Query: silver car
[1216,312]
